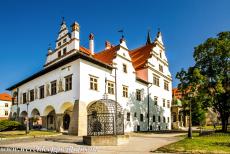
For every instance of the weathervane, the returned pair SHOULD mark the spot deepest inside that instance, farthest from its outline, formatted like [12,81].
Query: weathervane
[122,33]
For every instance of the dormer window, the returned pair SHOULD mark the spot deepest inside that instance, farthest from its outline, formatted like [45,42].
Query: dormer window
[59,54]
[124,68]
[59,44]
[64,51]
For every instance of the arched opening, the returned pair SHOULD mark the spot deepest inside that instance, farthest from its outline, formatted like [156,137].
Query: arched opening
[102,118]
[67,110]
[66,121]
[23,117]
[50,117]
[36,120]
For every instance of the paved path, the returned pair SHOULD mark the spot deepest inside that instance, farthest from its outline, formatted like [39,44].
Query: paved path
[138,144]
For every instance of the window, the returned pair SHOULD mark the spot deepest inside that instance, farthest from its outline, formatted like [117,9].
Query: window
[141,117]
[128,116]
[168,119]
[64,51]
[168,104]
[156,80]
[154,118]
[53,87]
[59,54]
[110,87]
[125,91]
[138,95]
[124,68]
[155,100]
[166,85]
[160,54]
[163,102]
[31,95]
[160,68]
[59,43]
[6,105]
[24,98]
[68,83]
[93,83]
[64,40]
[41,91]
[159,118]
[151,127]
[135,114]
[6,113]
[164,119]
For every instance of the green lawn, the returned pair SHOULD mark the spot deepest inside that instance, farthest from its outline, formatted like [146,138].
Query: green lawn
[21,133]
[215,143]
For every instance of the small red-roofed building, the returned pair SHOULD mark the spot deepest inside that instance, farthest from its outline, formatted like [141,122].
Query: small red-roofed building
[5,105]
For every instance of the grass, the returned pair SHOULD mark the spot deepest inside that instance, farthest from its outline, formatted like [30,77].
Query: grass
[215,143]
[21,133]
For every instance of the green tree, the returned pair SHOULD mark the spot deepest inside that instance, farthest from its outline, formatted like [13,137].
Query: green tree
[212,58]
[189,86]
[208,80]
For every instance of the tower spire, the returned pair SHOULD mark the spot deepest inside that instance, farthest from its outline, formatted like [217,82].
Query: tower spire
[148,40]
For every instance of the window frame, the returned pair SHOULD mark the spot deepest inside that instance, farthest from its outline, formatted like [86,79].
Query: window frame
[32,95]
[124,68]
[93,84]
[24,98]
[53,88]
[111,87]
[125,91]
[42,92]
[138,94]
[68,82]
[156,80]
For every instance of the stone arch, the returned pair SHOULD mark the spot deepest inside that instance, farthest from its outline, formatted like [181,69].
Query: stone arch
[36,119]
[50,114]
[23,117]
[66,106]
[48,109]
[66,116]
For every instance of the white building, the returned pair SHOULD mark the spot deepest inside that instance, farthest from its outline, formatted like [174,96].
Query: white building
[74,77]
[5,104]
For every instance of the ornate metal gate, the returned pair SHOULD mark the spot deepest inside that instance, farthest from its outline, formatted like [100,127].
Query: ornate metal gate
[102,119]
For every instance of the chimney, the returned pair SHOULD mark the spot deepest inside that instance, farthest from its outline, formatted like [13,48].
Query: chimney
[107,45]
[91,43]
[75,36]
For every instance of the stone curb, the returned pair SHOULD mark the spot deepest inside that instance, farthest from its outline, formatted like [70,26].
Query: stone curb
[27,137]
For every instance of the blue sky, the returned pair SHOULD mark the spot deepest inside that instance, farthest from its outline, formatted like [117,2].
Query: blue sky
[27,27]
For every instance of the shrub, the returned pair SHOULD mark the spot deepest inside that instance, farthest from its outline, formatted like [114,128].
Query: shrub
[6,125]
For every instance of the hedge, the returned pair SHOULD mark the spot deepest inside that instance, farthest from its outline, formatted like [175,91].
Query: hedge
[7,125]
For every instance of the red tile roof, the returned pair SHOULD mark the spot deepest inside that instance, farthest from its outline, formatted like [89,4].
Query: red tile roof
[5,97]
[85,50]
[108,55]
[141,55]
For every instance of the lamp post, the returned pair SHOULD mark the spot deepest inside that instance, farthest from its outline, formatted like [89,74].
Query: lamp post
[190,117]
[115,101]
[148,102]
[27,121]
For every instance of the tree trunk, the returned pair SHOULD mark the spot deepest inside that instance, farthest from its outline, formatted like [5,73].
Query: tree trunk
[224,120]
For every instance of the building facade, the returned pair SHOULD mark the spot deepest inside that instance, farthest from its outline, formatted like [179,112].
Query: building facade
[74,77]
[5,105]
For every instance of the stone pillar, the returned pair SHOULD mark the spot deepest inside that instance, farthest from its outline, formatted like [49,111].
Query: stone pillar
[44,121]
[59,122]
[78,121]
